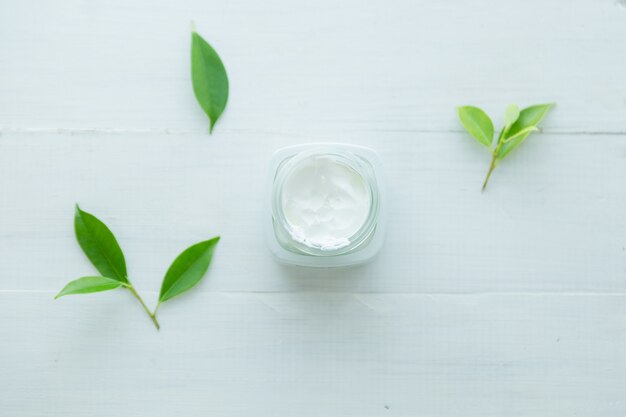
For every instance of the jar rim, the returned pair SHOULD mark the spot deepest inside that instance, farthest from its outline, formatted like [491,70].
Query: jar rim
[360,165]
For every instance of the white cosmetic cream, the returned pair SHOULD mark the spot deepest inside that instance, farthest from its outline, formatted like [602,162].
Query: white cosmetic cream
[325,202]
[326,205]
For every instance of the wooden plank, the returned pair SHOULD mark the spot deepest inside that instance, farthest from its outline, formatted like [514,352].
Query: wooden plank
[325,66]
[314,354]
[551,219]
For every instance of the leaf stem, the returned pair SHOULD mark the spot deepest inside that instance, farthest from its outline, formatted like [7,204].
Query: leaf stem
[152,316]
[155,309]
[492,166]
[494,157]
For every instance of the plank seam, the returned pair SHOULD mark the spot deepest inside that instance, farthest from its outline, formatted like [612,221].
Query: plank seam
[181,131]
[361,293]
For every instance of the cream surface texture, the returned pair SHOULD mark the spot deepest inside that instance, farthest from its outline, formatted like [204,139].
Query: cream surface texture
[325,202]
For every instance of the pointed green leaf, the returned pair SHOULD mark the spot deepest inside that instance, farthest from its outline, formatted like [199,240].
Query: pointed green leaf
[477,123]
[513,142]
[210,82]
[100,246]
[187,269]
[530,116]
[525,124]
[86,285]
[511,114]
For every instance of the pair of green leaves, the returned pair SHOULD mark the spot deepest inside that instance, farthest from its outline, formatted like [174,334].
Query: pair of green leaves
[518,124]
[101,247]
[208,75]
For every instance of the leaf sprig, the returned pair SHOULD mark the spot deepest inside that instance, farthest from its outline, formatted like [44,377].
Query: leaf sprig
[518,124]
[101,247]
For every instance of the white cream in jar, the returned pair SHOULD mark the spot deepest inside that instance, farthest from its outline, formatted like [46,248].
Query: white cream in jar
[326,205]
[325,202]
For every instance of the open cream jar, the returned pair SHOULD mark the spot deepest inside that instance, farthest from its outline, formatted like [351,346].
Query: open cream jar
[326,205]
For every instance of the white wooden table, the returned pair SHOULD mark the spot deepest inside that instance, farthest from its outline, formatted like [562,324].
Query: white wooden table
[508,303]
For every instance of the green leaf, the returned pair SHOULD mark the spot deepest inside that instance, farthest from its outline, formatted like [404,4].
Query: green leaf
[525,124]
[511,114]
[530,116]
[514,141]
[87,285]
[100,246]
[187,269]
[210,82]
[477,123]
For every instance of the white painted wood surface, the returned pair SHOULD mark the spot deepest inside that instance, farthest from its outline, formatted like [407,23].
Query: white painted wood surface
[507,303]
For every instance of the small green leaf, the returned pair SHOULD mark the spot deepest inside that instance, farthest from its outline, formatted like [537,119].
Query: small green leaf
[187,269]
[87,285]
[100,246]
[525,124]
[477,123]
[514,141]
[210,82]
[530,116]
[511,114]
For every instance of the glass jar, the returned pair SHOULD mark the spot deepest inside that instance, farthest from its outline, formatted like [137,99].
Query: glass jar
[287,240]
